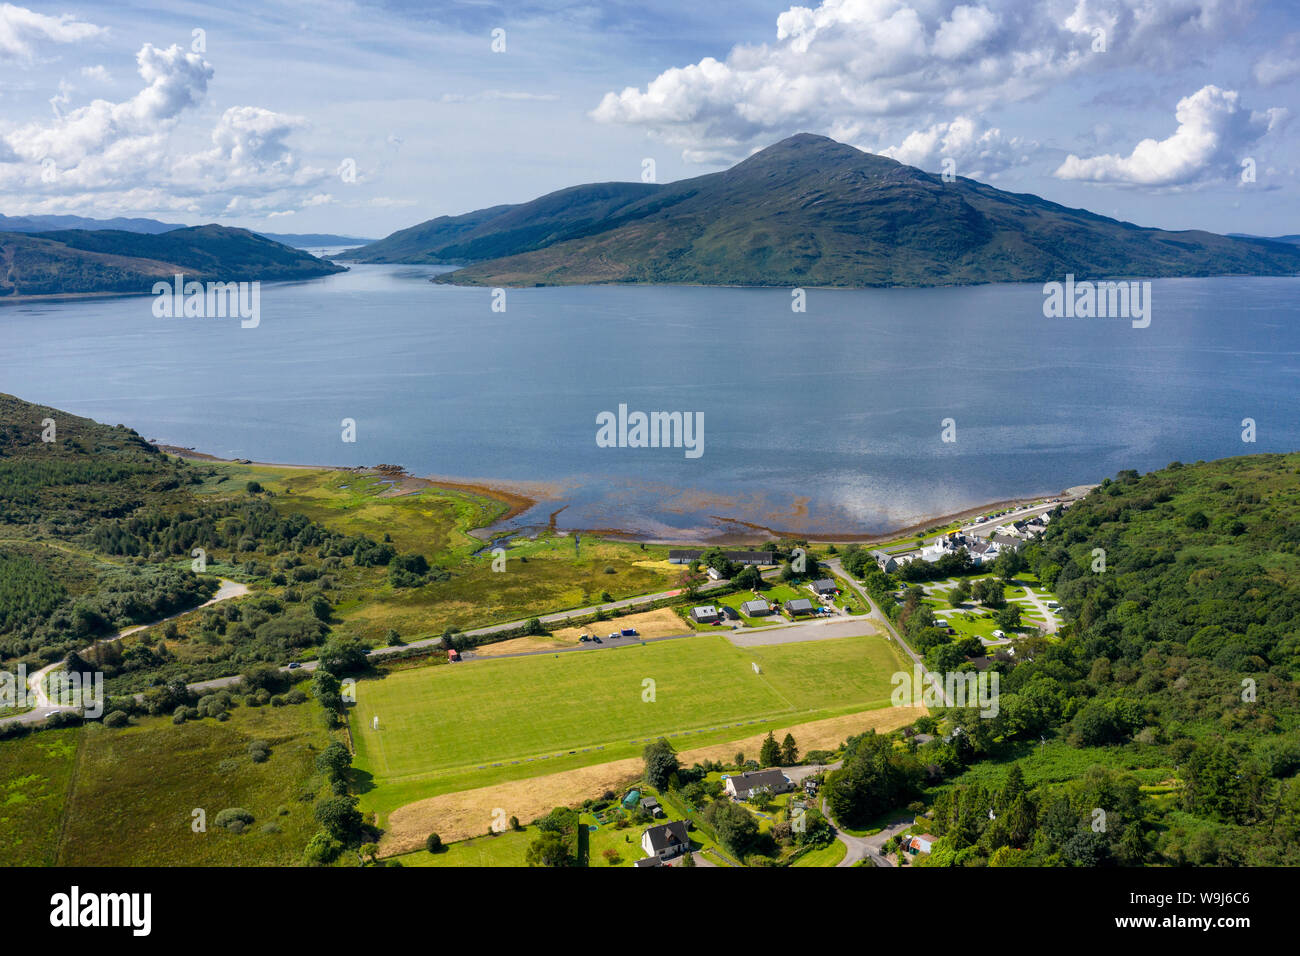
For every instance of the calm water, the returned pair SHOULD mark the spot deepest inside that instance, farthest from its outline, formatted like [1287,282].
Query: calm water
[824,421]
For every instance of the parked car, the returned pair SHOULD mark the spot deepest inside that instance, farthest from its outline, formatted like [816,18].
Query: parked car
[596,639]
[584,639]
[615,636]
[294,666]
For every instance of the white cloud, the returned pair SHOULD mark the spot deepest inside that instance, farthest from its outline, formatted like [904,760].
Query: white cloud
[1278,66]
[21,30]
[1214,131]
[109,148]
[895,65]
[97,74]
[978,151]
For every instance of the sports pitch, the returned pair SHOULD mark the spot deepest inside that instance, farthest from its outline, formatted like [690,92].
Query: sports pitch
[517,713]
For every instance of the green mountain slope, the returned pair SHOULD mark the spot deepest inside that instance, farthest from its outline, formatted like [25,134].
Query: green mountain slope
[811,211]
[114,261]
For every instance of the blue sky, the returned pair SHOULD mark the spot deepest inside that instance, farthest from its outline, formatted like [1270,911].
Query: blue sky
[1147,111]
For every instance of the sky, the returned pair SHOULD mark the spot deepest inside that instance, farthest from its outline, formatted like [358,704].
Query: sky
[363,118]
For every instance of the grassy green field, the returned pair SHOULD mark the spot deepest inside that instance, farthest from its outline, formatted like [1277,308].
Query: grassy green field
[33,790]
[823,856]
[504,849]
[136,789]
[450,728]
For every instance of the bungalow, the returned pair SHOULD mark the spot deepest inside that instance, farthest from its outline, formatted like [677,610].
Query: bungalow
[1006,541]
[648,861]
[714,574]
[799,606]
[742,786]
[756,608]
[665,840]
[706,614]
[920,843]
[824,587]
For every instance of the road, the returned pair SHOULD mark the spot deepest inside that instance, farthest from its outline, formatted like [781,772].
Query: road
[878,617]
[44,707]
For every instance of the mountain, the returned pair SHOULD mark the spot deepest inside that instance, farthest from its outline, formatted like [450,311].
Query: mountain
[31,224]
[80,262]
[810,211]
[1292,240]
[52,223]
[311,240]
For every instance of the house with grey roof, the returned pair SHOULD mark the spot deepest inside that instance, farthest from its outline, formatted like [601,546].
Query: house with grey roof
[666,840]
[741,786]
[756,608]
[799,606]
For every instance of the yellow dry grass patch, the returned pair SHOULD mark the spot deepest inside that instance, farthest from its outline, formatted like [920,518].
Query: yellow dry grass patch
[521,645]
[658,623]
[470,813]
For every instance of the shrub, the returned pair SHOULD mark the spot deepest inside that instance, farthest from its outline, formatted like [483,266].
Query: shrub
[322,849]
[259,751]
[433,843]
[233,818]
[116,719]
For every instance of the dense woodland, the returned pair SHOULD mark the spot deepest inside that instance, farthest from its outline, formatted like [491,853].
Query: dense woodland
[1163,727]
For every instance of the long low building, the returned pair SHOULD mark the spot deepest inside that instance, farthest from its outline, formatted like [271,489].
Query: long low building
[741,786]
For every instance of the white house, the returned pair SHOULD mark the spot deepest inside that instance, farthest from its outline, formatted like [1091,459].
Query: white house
[665,841]
[741,786]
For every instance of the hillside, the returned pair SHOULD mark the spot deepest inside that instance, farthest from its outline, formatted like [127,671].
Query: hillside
[79,262]
[810,211]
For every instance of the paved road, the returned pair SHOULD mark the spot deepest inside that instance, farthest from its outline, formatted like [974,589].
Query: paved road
[879,617]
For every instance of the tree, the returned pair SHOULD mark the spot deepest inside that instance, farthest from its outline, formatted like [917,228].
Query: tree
[433,843]
[789,751]
[549,849]
[748,578]
[660,763]
[734,826]
[340,655]
[339,815]
[325,687]
[769,755]
[334,761]
[875,778]
[1008,618]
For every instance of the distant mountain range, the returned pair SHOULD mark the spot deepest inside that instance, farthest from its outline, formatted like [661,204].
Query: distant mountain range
[108,261]
[31,224]
[810,211]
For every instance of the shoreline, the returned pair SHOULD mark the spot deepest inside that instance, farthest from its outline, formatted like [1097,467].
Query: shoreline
[519,499]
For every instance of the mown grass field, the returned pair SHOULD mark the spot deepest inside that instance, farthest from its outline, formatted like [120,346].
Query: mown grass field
[451,728]
[136,789]
[34,774]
